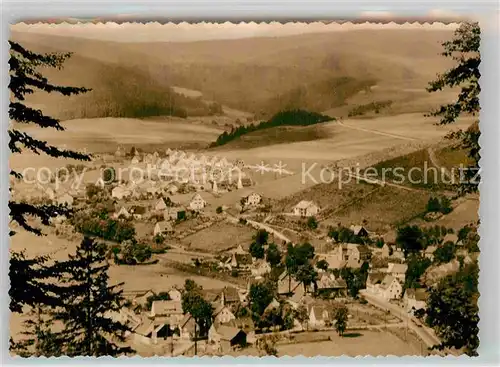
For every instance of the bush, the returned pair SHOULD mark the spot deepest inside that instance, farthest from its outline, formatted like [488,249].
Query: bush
[218,210]
[312,223]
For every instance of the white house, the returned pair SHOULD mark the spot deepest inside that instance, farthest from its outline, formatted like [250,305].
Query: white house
[398,271]
[320,315]
[305,209]
[223,314]
[100,183]
[135,160]
[390,288]
[415,299]
[65,199]
[123,212]
[252,199]
[429,252]
[160,205]
[175,294]
[260,267]
[120,192]
[197,202]
[162,228]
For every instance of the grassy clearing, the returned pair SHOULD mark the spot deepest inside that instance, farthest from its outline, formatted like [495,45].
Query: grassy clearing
[219,237]
[413,170]
[384,208]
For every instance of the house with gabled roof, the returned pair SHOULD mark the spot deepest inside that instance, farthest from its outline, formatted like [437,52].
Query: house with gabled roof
[359,231]
[230,297]
[305,209]
[223,314]
[241,261]
[122,213]
[390,288]
[415,299]
[197,203]
[287,285]
[330,286]
[226,337]
[160,205]
[398,271]
[163,228]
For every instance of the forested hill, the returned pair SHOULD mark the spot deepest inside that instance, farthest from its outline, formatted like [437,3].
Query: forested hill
[283,118]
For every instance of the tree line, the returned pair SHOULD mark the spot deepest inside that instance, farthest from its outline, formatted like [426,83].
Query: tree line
[283,118]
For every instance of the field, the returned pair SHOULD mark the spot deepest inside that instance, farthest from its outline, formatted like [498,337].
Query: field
[219,237]
[384,208]
[353,344]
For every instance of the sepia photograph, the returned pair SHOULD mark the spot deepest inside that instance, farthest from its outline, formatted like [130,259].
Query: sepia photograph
[244,189]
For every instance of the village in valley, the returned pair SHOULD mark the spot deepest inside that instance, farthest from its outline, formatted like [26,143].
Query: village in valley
[219,244]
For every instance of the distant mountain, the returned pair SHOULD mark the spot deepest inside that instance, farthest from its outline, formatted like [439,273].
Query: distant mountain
[259,75]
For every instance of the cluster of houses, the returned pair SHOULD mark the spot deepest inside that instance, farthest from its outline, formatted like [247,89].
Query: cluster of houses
[199,172]
[165,321]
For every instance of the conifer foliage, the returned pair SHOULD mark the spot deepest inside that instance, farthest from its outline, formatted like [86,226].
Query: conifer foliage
[25,79]
[89,304]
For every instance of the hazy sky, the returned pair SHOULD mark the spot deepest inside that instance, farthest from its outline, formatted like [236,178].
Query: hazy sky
[156,32]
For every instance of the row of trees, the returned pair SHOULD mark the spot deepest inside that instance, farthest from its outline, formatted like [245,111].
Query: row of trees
[283,118]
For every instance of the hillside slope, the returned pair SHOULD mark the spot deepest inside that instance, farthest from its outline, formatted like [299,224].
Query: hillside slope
[264,75]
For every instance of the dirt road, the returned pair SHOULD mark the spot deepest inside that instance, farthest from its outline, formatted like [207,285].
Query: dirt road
[426,334]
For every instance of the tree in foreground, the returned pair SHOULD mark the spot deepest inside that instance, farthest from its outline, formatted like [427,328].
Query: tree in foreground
[341,315]
[26,275]
[464,50]
[89,305]
[25,78]
[453,312]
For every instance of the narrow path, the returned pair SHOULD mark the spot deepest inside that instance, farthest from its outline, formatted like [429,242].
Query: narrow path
[435,163]
[377,132]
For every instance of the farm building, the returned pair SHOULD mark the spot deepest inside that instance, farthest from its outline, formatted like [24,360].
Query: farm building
[329,286]
[306,209]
